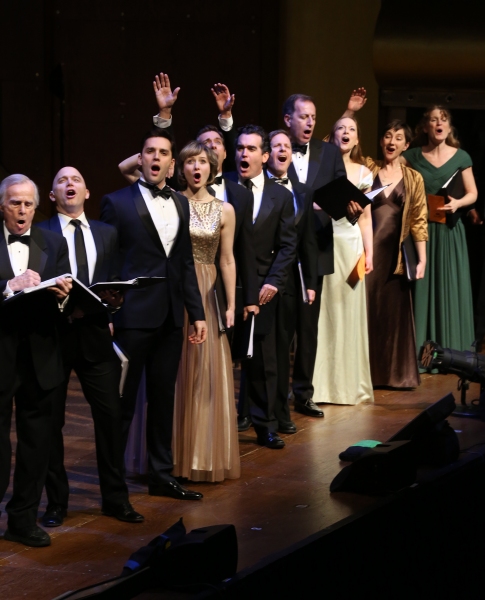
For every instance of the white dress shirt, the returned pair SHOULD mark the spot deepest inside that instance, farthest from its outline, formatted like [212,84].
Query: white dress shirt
[286,185]
[68,231]
[224,124]
[300,162]
[164,215]
[18,254]
[258,185]
[220,189]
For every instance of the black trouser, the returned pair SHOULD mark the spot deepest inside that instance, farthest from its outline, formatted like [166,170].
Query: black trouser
[259,382]
[306,328]
[100,385]
[33,417]
[158,352]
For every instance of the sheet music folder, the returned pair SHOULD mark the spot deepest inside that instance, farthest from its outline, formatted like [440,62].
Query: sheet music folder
[455,188]
[410,256]
[121,286]
[79,296]
[334,197]
[242,344]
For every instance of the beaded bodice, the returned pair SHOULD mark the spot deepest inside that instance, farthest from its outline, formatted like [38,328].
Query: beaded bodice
[205,229]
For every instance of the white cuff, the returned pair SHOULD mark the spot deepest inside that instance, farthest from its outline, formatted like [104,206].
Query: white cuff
[226,124]
[162,123]
[8,292]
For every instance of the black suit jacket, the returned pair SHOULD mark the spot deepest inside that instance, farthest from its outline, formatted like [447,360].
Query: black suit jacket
[307,247]
[274,238]
[49,257]
[325,164]
[142,254]
[95,338]
[242,201]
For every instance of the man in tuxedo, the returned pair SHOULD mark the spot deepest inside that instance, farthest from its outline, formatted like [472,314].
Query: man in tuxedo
[87,347]
[314,163]
[153,231]
[300,289]
[242,201]
[223,188]
[274,240]
[30,358]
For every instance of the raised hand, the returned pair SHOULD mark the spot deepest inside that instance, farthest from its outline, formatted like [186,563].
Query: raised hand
[164,96]
[357,99]
[224,99]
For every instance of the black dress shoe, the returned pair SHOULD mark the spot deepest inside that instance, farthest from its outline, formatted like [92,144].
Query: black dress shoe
[28,536]
[53,517]
[173,490]
[122,512]
[243,423]
[308,408]
[289,427]
[271,440]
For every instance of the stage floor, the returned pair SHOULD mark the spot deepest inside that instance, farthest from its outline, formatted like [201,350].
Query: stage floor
[281,498]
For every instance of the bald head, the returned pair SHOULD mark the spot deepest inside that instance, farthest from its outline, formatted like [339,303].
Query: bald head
[69,192]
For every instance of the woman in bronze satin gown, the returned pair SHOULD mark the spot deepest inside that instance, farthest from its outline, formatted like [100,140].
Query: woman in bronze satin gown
[205,441]
[398,211]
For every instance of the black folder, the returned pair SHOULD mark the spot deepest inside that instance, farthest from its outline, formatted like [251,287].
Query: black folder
[242,343]
[221,303]
[121,286]
[410,256]
[334,197]
[455,188]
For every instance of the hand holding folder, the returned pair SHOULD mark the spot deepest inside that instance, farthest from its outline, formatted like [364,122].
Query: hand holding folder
[334,197]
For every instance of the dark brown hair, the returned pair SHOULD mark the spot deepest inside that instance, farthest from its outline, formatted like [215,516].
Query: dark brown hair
[396,125]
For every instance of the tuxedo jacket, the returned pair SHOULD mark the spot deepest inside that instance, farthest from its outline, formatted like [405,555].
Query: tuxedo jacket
[36,319]
[242,201]
[142,254]
[307,247]
[93,332]
[274,240]
[325,164]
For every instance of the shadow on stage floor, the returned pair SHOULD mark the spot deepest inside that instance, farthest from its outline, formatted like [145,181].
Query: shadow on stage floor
[280,500]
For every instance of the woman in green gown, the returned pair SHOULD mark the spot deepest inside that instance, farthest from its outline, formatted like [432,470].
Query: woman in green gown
[443,298]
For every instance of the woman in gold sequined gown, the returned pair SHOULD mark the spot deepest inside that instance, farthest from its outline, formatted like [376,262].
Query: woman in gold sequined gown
[205,442]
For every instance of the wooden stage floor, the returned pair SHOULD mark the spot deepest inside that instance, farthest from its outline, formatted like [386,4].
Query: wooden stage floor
[281,498]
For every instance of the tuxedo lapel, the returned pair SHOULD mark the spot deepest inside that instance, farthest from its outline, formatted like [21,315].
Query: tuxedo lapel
[231,198]
[6,271]
[266,207]
[300,201]
[180,210]
[37,256]
[100,253]
[316,153]
[146,218]
[55,224]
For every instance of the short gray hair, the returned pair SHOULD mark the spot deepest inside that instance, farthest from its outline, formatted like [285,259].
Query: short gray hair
[17,179]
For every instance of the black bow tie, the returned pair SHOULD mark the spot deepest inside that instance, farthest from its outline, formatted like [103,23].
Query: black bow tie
[282,180]
[218,180]
[23,239]
[166,192]
[302,148]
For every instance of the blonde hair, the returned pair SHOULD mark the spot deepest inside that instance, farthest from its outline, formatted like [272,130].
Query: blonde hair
[195,148]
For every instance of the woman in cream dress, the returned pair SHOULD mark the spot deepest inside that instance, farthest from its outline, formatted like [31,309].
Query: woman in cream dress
[342,372]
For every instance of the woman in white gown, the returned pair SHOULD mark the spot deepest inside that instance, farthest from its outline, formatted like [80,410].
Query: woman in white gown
[342,371]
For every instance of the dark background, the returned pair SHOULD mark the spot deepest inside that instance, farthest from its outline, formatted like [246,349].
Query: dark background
[76,79]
